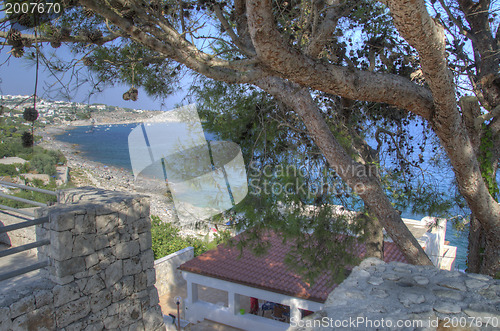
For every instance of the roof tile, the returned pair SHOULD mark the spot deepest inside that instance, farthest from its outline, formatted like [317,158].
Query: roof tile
[269,272]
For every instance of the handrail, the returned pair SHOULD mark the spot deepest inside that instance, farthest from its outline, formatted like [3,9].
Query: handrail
[30,188]
[20,271]
[39,204]
[20,211]
[23,248]
[21,225]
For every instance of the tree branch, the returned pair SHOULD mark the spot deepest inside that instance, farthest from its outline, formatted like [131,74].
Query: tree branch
[355,84]
[363,183]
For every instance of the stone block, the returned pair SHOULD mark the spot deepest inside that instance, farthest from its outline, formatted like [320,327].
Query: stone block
[151,277]
[140,281]
[129,311]
[94,284]
[97,326]
[39,319]
[147,259]
[72,312]
[22,306]
[61,245]
[85,224]
[132,266]
[43,298]
[128,286]
[154,299]
[60,280]
[142,225]
[65,293]
[113,238]
[124,250]
[137,326]
[83,245]
[100,300]
[106,223]
[153,318]
[112,322]
[114,273]
[101,241]
[5,320]
[70,267]
[91,260]
[145,241]
[62,220]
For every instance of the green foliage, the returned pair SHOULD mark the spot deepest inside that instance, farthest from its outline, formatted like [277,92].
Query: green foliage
[486,162]
[166,239]
[8,170]
[31,195]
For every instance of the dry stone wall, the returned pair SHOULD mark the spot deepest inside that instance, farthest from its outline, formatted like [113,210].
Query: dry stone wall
[101,274]
[398,296]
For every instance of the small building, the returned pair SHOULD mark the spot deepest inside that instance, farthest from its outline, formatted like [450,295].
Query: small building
[242,275]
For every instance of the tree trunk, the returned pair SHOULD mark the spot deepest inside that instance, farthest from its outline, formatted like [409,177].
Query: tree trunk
[362,183]
[373,235]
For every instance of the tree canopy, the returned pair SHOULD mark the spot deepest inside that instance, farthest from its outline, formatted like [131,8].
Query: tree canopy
[437,61]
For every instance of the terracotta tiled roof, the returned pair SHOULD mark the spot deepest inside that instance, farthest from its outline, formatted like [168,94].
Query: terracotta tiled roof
[269,272]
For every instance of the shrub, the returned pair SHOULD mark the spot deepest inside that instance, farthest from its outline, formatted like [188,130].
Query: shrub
[167,240]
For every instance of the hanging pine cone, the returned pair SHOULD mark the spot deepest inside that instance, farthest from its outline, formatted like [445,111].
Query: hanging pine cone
[88,61]
[131,94]
[14,38]
[55,44]
[27,139]
[88,12]
[65,32]
[126,96]
[95,36]
[14,35]
[30,114]
[17,52]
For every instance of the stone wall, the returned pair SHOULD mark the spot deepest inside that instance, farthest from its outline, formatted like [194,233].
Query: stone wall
[167,274]
[397,296]
[101,274]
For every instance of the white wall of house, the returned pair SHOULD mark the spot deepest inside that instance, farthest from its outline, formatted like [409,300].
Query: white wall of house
[197,310]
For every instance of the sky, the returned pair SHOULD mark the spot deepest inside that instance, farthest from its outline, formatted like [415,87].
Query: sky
[18,78]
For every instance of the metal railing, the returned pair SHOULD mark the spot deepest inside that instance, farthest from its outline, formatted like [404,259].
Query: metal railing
[21,225]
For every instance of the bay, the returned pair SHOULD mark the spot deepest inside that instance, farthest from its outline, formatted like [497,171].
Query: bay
[108,144]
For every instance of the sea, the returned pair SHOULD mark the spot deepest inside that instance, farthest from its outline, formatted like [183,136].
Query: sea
[108,144]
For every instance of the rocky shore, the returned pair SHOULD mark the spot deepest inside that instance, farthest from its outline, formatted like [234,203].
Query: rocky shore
[85,172]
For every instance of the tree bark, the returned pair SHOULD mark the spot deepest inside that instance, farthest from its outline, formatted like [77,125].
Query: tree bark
[368,187]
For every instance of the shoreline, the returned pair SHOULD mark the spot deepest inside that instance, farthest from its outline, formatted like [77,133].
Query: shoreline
[86,172]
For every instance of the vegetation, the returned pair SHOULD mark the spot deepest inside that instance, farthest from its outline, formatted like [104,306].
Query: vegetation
[167,240]
[323,62]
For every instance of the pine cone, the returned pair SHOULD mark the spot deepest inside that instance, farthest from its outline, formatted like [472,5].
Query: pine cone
[126,96]
[18,52]
[30,114]
[27,139]
[65,32]
[95,36]
[14,35]
[55,44]
[88,61]
[88,12]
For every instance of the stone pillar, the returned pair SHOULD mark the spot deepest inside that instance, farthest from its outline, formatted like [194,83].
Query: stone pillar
[101,261]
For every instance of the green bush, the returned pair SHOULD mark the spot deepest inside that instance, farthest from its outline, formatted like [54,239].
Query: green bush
[167,240]
[8,170]
[45,161]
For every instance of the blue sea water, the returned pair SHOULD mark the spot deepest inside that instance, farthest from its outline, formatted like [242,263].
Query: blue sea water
[108,144]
